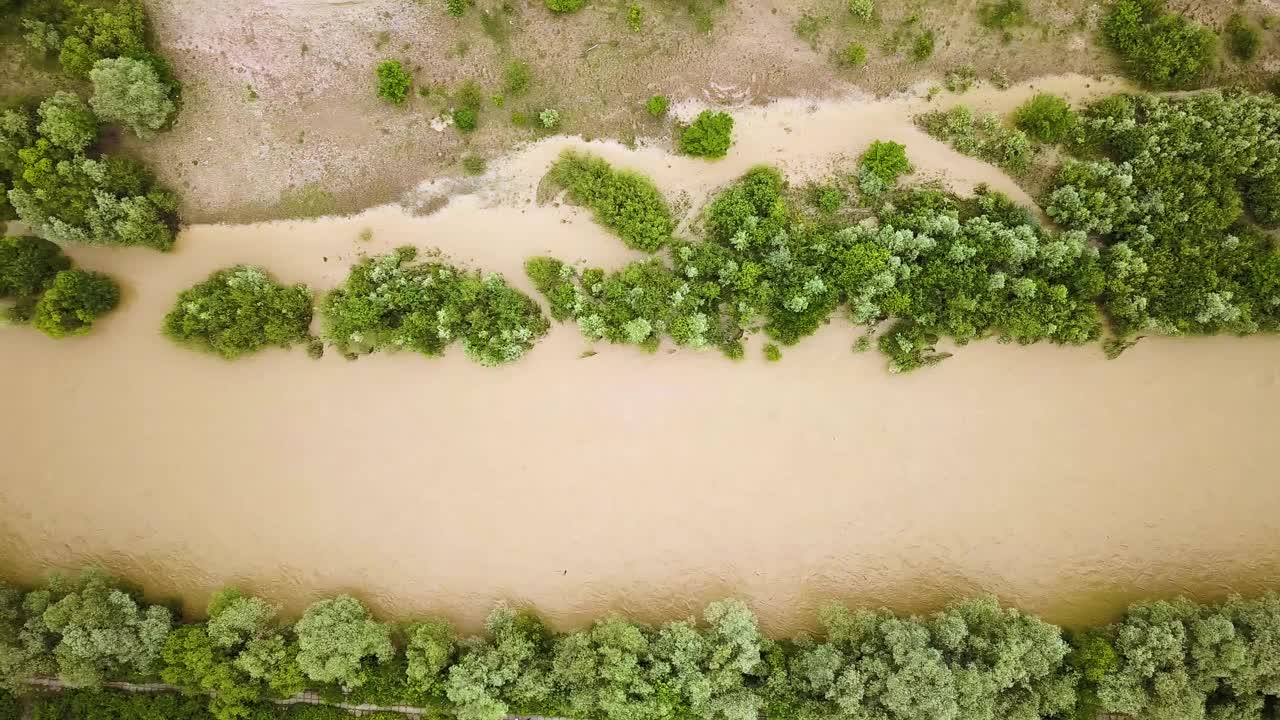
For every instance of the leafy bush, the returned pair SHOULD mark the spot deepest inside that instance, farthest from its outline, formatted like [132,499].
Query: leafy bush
[922,48]
[961,79]
[394,82]
[73,302]
[473,164]
[238,311]
[565,6]
[110,705]
[625,202]
[982,136]
[1244,40]
[455,8]
[772,353]
[880,167]
[635,17]
[853,55]
[132,93]
[336,637]
[1047,118]
[549,119]
[862,9]
[1159,48]
[387,304]
[465,119]
[657,105]
[710,135]
[27,268]
[1003,14]
[516,78]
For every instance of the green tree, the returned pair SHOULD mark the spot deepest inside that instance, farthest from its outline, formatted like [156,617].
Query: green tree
[709,135]
[131,92]
[509,669]
[74,301]
[68,122]
[238,311]
[27,268]
[101,631]
[194,663]
[429,649]
[336,638]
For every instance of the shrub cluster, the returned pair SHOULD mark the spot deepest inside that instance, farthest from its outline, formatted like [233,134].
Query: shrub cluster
[389,304]
[973,660]
[1174,198]
[625,202]
[709,135]
[1160,48]
[39,286]
[240,310]
[58,185]
[982,136]
[934,264]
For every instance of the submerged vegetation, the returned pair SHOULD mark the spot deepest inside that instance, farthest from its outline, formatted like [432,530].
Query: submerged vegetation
[973,660]
[238,311]
[709,135]
[39,286]
[933,265]
[627,203]
[388,303]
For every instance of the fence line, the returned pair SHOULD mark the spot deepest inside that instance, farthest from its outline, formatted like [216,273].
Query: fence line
[303,698]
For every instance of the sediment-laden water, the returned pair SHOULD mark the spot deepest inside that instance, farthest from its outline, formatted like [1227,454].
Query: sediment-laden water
[649,484]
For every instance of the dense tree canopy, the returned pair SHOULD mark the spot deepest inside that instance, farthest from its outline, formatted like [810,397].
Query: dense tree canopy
[72,196]
[1172,198]
[974,660]
[934,264]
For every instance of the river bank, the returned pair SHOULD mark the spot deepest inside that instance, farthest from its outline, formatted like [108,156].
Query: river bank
[648,484]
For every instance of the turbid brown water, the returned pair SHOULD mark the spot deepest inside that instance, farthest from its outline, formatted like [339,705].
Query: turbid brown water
[1065,483]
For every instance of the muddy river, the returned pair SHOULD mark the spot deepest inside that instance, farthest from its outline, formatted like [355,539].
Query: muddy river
[649,484]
